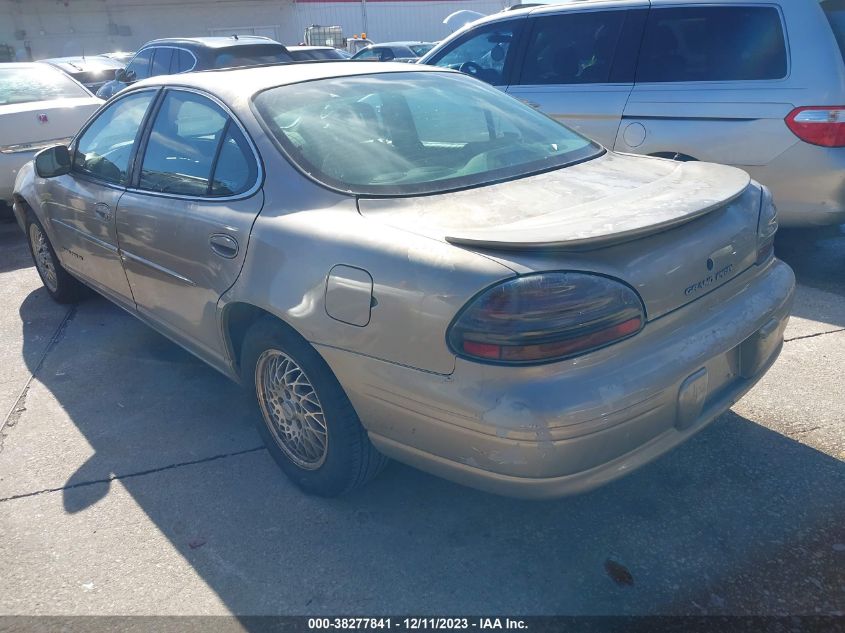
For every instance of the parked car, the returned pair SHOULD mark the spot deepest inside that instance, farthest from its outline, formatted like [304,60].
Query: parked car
[314,53]
[124,57]
[760,86]
[40,106]
[403,261]
[172,56]
[92,72]
[393,52]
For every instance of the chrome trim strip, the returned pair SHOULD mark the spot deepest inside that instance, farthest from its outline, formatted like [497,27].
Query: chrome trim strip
[124,255]
[103,244]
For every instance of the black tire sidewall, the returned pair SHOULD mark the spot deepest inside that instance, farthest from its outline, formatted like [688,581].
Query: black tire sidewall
[337,474]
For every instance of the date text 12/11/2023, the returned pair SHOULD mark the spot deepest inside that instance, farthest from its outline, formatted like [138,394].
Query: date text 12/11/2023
[415,623]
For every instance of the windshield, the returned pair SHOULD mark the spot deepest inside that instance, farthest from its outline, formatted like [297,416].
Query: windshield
[835,12]
[251,55]
[415,132]
[38,82]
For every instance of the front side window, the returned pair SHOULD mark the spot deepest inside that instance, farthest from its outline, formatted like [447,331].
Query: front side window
[25,84]
[712,44]
[482,53]
[184,141]
[140,64]
[413,133]
[572,48]
[104,149]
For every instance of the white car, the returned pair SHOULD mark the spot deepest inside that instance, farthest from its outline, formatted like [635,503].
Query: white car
[40,106]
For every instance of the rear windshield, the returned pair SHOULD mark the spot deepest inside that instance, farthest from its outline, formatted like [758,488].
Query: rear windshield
[835,12]
[414,132]
[421,49]
[251,55]
[38,82]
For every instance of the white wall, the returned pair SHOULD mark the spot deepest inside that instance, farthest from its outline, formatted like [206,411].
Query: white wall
[71,27]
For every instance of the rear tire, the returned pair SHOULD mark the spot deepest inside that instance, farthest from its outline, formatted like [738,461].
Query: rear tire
[307,422]
[60,284]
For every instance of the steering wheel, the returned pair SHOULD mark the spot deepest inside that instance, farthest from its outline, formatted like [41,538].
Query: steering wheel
[471,68]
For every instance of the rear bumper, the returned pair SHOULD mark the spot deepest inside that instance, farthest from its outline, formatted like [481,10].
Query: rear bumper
[808,185]
[568,427]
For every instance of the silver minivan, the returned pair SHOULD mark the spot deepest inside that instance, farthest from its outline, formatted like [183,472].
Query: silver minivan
[758,85]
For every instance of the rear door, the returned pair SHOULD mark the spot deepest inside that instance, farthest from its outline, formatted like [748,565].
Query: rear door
[578,67]
[712,84]
[184,223]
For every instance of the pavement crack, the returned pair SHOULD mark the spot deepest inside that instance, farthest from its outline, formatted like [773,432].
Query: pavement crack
[139,473]
[19,405]
[798,338]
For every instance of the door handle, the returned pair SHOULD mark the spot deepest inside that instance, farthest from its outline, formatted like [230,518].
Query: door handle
[224,245]
[102,211]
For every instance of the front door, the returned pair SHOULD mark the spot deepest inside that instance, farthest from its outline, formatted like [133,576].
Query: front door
[82,204]
[185,222]
[578,67]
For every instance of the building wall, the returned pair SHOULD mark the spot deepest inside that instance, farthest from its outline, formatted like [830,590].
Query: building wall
[51,28]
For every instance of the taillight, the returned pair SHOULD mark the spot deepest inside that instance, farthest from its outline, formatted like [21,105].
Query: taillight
[819,125]
[546,317]
[767,226]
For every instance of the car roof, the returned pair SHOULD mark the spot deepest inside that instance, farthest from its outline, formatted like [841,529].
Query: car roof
[213,41]
[238,83]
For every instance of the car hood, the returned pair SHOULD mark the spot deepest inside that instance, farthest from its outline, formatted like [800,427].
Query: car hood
[23,122]
[611,199]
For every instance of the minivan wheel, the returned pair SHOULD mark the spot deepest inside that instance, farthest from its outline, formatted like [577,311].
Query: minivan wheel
[307,422]
[61,286]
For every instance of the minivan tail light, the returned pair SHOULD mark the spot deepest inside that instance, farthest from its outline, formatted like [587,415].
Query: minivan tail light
[819,125]
[545,317]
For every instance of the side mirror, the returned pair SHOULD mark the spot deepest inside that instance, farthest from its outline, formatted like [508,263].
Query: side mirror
[53,161]
[124,76]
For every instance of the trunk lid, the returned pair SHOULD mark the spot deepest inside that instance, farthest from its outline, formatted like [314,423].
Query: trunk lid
[39,121]
[673,231]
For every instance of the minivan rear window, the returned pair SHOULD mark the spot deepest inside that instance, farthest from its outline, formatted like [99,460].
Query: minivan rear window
[835,12]
[712,44]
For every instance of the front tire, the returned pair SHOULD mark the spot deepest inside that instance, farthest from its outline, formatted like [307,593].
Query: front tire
[60,284]
[307,422]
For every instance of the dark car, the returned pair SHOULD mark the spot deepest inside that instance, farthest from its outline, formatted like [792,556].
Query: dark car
[179,55]
[316,53]
[92,72]
[394,52]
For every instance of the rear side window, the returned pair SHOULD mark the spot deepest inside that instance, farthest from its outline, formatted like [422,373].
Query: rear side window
[712,44]
[251,55]
[572,48]
[195,149]
[835,12]
[161,61]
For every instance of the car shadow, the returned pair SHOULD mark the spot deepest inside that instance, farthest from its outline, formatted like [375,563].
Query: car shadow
[740,519]
[817,255]
[14,252]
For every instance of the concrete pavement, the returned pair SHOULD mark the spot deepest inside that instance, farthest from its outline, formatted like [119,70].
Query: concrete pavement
[132,482]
